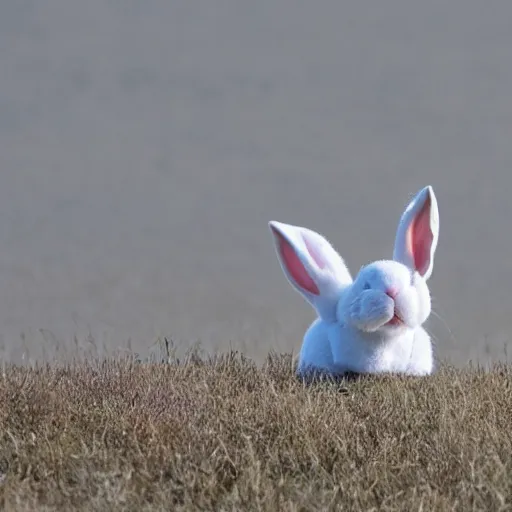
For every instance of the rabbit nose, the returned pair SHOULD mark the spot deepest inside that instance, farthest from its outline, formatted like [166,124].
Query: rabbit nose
[392,292]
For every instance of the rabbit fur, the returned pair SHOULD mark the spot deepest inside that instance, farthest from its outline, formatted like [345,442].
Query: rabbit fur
[373,323]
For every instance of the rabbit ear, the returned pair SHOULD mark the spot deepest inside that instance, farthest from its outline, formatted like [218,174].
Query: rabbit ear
[418,232]
[312,266]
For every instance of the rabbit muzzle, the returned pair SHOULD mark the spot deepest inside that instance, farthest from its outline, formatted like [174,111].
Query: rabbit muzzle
[397,318]
[372,310]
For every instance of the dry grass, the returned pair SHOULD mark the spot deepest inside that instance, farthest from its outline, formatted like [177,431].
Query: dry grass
[224,434]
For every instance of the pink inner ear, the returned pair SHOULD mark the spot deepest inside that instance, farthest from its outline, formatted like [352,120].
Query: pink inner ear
[420,237]
[295,266]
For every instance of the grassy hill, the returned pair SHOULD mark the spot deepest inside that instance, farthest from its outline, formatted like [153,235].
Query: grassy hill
[224,434]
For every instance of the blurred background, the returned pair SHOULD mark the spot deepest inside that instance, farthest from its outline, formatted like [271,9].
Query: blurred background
[145,145]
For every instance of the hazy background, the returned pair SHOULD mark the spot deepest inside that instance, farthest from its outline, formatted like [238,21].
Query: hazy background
[145,145]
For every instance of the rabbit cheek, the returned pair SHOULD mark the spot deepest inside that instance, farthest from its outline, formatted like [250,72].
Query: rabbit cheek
[423,302]
[370,310]
[424,312]
[406,304]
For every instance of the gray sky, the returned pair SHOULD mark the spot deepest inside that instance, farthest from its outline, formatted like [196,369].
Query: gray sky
[145,145]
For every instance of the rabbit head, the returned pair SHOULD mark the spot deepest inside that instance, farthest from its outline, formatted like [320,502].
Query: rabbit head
[387,296]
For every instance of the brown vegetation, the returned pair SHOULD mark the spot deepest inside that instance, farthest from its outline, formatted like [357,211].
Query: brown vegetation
[225,434]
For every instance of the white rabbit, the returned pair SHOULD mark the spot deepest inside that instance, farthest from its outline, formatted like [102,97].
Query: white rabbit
[372,324]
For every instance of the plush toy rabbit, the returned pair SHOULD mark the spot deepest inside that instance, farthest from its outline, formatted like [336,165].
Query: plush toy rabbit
[372,324]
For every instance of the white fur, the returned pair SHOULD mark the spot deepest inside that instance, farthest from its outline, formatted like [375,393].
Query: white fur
[352,333]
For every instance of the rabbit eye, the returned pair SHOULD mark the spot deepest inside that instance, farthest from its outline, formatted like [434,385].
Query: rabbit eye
[366,286]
